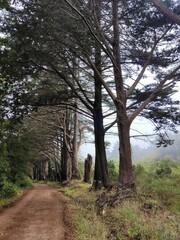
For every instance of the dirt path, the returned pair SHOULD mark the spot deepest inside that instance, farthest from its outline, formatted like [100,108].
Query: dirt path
[38,215]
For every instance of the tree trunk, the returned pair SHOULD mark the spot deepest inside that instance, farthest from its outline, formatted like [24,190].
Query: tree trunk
[65,164]
[126,177]
[87,169]
[75,170]
[123,123]
[75,145]
[66,167]
[101,170]
[101,177]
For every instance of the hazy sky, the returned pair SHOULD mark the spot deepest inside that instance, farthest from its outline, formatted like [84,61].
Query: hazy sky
[139,126]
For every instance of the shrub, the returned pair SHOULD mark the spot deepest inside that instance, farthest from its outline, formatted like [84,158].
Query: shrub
[81,167]
[113,170]
[23,181]
[8,190]
[163,168]
[163,171]
[4,169]
[138,169]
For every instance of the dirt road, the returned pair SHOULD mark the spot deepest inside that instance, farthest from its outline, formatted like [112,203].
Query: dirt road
[39,215]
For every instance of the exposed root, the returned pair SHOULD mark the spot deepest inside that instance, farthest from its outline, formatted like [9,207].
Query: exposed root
[111,197]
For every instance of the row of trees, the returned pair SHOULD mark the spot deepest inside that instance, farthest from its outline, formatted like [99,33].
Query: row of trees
[41,146]
[91,58]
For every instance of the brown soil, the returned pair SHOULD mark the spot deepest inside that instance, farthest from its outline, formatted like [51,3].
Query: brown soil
[41,214]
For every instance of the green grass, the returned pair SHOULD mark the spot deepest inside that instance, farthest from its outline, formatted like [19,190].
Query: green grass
[86,222]
[153,213]
[166,189]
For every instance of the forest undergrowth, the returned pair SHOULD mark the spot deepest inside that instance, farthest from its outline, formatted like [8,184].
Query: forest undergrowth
[149,212]
[11,192]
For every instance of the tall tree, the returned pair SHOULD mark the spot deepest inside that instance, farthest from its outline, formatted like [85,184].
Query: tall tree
[127,53]
[123,43]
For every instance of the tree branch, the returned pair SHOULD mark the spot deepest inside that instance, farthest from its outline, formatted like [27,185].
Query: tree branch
[93,34]
[131,89]
[110,125]
[166,11]
[153,94]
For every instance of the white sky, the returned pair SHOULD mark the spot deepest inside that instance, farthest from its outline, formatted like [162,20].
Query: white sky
[139,125]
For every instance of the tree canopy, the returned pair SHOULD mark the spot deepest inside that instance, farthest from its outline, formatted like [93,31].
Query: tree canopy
[97,57]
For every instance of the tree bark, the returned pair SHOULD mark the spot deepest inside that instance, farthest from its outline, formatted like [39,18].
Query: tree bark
[123,123]
[87,169]
[101,177]
[126,177]
[66,166]
[75,170]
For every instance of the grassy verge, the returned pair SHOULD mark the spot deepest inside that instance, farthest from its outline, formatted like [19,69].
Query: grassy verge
[152,213]
[87,223]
